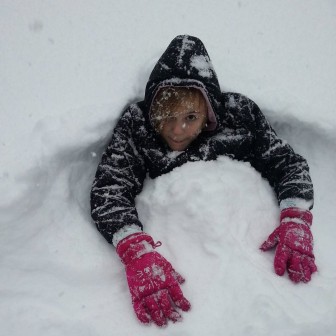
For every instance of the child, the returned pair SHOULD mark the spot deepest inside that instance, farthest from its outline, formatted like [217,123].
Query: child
[185,117]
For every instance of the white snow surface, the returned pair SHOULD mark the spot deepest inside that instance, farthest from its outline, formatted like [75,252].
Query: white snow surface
[68,68]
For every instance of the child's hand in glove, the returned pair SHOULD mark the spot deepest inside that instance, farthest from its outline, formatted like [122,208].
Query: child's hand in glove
[294,245]
[153,283]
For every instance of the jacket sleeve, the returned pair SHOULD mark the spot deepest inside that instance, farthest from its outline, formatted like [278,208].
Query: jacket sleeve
[119,178]
[286,171]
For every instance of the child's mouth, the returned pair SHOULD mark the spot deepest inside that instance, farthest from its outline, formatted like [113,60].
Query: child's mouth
[177,141]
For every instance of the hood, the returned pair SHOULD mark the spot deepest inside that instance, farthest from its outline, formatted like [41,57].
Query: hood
[186,63]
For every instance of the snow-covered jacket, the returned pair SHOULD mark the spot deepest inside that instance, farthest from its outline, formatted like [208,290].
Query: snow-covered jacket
[236,128]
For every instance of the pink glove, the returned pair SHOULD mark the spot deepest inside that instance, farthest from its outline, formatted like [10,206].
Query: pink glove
[294,242]
[152,281]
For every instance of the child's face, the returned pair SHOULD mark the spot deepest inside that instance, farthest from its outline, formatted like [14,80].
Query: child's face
[184,122]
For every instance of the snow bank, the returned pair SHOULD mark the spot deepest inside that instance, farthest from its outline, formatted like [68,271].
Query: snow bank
[68,70]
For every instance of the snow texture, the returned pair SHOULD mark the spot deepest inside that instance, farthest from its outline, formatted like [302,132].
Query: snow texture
[202,64]
[67,71]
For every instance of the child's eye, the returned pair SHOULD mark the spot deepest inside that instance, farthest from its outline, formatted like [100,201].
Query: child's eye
[191,117]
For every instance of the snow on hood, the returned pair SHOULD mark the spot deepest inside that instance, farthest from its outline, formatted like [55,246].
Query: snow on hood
[186,63]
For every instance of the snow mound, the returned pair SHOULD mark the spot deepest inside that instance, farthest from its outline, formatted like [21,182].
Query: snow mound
[59,275]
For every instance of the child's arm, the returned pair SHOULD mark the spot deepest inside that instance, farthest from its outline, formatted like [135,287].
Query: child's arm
[286,171]
[153,283]
[119,178]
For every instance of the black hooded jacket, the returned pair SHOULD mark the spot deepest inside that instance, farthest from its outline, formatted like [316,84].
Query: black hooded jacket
[239,131]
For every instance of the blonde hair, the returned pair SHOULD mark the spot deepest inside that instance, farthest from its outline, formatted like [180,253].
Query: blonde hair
[167,98]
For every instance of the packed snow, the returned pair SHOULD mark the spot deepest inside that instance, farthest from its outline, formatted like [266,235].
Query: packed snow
[68,69]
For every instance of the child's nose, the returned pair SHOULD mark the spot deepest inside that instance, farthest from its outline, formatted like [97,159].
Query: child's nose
[178,127]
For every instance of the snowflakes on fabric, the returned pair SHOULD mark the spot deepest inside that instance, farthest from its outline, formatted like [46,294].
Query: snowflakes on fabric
[240,131]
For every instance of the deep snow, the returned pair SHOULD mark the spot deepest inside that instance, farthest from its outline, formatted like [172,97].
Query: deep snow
[67,71]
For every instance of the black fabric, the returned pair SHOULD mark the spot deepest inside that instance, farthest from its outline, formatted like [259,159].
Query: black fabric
[242,133]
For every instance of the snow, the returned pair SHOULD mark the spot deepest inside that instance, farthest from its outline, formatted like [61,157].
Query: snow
[186,45]
[202,64]
[67,71]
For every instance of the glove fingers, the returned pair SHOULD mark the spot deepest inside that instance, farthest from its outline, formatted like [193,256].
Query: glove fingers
[271,241]
[301,268]
[155,311]
[281,258]
[306,270]
[166,306]
[178,277]
[178,298]
[296,269]
[309,268]
[141,312]
[312,265]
